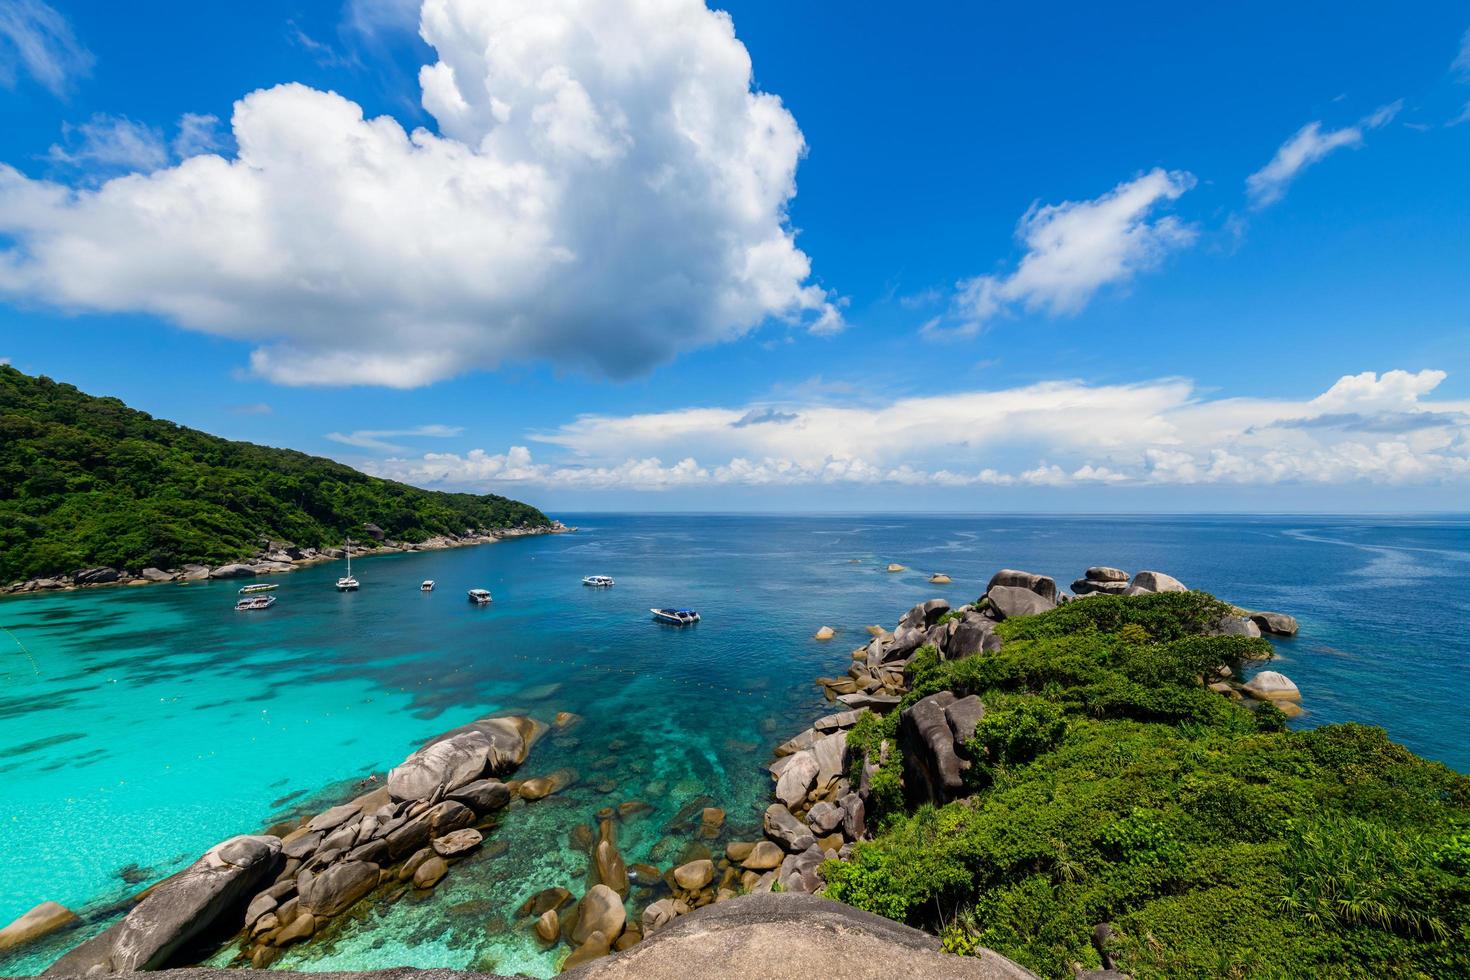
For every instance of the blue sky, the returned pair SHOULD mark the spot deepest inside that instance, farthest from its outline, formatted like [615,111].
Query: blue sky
[930,257]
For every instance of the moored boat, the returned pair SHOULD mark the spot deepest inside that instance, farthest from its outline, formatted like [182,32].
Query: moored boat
[255,602]
[676,617]
[427,586]
[480,597]
[598,581]
[261,587]
[347,583]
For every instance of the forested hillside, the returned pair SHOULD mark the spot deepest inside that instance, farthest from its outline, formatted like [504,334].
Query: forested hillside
[87,481]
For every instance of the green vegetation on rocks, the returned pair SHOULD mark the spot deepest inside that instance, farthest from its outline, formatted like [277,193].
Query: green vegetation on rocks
[87,481]
[1111,787]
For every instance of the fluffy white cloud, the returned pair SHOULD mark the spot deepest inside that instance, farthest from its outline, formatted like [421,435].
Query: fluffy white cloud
[37,39]
[1307,146]
[605,190]
[1365,427]
[1075,248]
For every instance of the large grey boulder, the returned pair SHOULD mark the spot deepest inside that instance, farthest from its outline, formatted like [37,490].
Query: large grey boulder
[1278,623]
[1009,601]
[178,909]
[906,639]
[1158,582]
[796,778]
[235,570]
[483,795]
[442,766]
[1104,573]
[924,615]
[798,872]
[786,830]
[969,637]
[787,936]
[831,757]
[338,888]
[156,575]
[511,738]
[1088,586]
[1269,685]
[601,910]
[40,921]
[877,703]
[96,576]
[1042,585]
[931,736]
[1237,626]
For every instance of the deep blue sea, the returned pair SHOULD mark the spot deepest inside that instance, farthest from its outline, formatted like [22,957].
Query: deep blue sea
[138,726]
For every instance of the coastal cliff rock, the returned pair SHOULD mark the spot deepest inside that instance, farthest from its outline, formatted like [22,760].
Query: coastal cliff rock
[1009,600]
[176,910]
[931,737]
[1158,582]
[1279,624]
[1040,584]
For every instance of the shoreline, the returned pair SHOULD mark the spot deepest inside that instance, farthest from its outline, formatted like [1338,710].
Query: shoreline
[277,558]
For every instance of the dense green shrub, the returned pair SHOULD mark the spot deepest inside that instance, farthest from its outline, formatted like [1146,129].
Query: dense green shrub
[88,481]
[1115,788]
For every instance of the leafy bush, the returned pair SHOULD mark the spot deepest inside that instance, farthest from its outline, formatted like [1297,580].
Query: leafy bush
[1016,730]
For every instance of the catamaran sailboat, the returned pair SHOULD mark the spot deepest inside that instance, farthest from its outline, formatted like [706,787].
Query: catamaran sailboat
[676,617]
[598,581]
[347,583]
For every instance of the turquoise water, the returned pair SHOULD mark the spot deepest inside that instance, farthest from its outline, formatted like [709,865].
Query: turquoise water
[138,726]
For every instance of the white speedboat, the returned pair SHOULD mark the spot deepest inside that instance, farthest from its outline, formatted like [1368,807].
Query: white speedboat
[598,581]
[676,617]
[255,589]
[480,597]
[347,583]
[427,586]
[255,602]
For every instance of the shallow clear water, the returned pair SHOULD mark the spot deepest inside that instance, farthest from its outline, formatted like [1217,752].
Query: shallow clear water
[139,726]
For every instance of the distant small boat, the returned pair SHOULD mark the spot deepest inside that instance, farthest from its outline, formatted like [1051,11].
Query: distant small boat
[427,586]
[598,581]
[255,602]
[676,617]
[262,587]
[480,597]
[347,583]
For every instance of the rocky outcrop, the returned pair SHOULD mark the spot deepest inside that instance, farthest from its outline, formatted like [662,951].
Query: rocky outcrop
[1040,584]
[931,735]
[176,910]
[1158,582]
[1278,624]
[1009,601]
[787,937]
[1269,685]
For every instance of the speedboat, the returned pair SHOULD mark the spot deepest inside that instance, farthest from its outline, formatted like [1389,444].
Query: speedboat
[598,581]
[480,597]
[262,587]
[427,586]
[255,602]
[676,617]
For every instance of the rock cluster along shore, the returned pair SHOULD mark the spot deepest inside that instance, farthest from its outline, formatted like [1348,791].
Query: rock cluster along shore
[818,814]
[286,885]
[272,558]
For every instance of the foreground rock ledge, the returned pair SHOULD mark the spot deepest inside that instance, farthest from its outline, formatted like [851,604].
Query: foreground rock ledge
[774,937]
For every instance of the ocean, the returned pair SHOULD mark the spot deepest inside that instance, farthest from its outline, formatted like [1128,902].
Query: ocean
[139,726]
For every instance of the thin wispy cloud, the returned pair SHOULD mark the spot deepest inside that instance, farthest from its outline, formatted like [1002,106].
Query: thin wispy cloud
[1073,250]
[198,133]
[110,142]
[254,408]
[1307,146]
[37,40]
[379,438]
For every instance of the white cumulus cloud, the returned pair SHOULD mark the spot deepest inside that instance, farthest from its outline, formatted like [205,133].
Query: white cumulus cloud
[1074,249]
[1368,428]
[1307,146]
[606,189]
[379,438]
